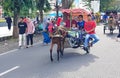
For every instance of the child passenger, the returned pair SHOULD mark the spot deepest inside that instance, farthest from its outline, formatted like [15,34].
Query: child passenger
[74,27]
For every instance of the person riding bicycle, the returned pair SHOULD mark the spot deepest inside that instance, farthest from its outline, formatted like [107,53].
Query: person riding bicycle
[89,28]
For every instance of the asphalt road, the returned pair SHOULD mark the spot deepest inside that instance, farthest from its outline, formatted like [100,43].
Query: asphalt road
[34,62]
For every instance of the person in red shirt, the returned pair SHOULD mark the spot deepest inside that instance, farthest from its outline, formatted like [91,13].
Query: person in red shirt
[89,28]
[59,20]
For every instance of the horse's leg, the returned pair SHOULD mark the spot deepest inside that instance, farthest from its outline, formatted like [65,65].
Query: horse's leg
[51,51]
[58,50]
[62,47]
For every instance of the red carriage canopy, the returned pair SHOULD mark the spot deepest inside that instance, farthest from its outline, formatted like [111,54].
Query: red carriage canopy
[76,12]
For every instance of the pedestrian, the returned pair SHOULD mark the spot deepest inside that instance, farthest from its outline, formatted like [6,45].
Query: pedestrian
[89,28]
[119,29]
[9,22]
[30,32]
[45,34]
[22,32]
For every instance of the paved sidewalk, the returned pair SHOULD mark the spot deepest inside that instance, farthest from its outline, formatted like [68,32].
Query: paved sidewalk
[12,44]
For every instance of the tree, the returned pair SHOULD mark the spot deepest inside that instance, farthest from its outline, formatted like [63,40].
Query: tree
[66,4]
[106,5]
[88,4]
[43,5]
[15,7]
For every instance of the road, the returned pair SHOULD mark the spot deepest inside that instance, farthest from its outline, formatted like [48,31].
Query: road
[34,62]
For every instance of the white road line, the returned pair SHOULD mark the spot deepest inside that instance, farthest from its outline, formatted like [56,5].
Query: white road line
[18,49]
[12,69]
[9,52]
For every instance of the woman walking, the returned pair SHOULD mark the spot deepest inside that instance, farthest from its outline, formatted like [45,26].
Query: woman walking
[118,23]
[30,32]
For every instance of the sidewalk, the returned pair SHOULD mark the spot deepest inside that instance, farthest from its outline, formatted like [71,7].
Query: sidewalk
[12,44]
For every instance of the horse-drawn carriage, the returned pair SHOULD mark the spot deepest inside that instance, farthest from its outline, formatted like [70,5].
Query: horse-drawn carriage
[111,25]
[111,22]
[75,39]
[68,39]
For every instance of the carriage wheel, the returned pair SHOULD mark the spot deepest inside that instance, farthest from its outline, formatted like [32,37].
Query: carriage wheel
[74,43]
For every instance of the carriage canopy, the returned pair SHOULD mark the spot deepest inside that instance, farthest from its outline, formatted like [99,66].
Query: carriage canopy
[76,12]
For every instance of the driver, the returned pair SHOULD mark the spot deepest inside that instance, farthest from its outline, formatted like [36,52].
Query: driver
[89,28]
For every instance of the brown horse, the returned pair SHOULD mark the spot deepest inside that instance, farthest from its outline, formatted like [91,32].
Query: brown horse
[58,37]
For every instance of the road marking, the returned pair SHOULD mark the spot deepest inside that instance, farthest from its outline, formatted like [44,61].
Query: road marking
[9,52]
[18,49]
[12,69]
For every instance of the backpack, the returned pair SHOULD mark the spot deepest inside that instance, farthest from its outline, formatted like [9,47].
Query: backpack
[40,27]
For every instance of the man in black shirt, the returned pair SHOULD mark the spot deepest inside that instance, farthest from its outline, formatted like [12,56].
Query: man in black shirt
[22,32]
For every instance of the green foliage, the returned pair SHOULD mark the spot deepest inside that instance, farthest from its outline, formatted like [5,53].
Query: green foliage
[20,6]
[88,3]
[43,5]
[107,5]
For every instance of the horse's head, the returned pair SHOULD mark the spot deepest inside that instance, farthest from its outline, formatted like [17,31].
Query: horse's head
[62,31]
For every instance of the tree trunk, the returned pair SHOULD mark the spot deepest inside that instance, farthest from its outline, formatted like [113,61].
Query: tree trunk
[41,15]
[15,24]
[66,4]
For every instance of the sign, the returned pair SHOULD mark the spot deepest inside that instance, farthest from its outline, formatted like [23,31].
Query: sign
[95,5]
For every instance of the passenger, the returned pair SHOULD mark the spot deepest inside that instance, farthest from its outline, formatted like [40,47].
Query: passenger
[74,27]
[90,30]
[81,22]
[68,22]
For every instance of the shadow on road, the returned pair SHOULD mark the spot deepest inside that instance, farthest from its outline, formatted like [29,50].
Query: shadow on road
[41,67]
[112,36]
[71,62]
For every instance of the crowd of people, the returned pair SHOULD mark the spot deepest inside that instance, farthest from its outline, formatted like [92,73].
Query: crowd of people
[27,27]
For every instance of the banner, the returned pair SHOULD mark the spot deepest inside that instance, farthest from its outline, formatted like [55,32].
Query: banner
[95,5]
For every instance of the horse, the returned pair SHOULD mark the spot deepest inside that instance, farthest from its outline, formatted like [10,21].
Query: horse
[58,37]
